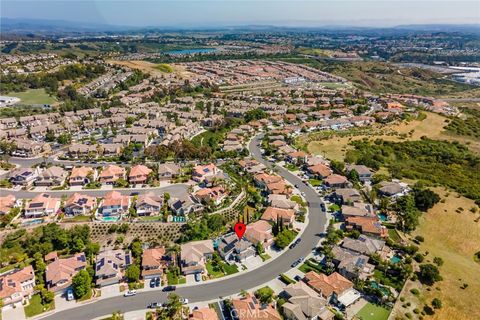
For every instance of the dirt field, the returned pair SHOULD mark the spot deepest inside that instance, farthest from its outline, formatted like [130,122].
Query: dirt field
[431,127]
[454,237]
[178,71]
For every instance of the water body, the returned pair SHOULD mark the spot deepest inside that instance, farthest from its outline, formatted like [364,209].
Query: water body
[190,51]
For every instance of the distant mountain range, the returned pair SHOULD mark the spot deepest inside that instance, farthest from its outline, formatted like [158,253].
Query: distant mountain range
[52,27]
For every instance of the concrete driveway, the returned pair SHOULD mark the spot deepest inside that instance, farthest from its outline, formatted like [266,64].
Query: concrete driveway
[110,291]
[16,313]
[61,302]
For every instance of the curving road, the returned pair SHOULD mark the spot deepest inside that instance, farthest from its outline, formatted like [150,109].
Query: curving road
[223,287]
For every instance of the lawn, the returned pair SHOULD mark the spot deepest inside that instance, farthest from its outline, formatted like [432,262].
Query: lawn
[291,167]
[373,312]
[393,235]
[265,256]
[310,266]
[34,96]
[173,279]
[35,307]
[221,270]
[315,182]
[454,237]
[298,200]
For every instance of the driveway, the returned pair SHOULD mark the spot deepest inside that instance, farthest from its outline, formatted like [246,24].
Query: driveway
[61,302]
[14,313]
[110,291]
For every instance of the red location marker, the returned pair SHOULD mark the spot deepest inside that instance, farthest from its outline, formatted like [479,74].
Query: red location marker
[240,229]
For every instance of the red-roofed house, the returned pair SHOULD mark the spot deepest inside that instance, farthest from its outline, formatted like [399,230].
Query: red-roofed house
[59,273]
[273,214]
[139,174]
[17,285]
[260,232]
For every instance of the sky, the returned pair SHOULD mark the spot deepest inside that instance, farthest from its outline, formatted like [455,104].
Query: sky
[191,13]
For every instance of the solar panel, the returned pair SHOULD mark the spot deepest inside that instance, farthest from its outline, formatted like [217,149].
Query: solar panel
[36,205]
[127,259]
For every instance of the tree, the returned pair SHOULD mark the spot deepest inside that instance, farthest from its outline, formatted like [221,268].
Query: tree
[407,212]
[337,166]
[437,303]
[81,283]
[64,138]
[132,273]
[425,198]
[136,249]
[429,274]
[353,176]
[265,294]
[47,296]
[284,238]
[172,307]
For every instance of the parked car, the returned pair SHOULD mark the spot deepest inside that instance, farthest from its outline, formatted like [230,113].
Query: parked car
[184,300]
[130,293]
[154,305]
[152,283]
[198,277]
[157,282]
[70,296]
[169,288]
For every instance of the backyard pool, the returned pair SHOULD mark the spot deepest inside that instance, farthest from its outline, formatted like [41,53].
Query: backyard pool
[32,222]
[395,259]
[383,217]
[109,219]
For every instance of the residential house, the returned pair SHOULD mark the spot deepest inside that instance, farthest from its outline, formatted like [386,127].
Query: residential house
[111,174]
[79,203]
[272,214]
[347,195]
[59,273]
[250,308]
[204,313]
[367,225]
[263,179]
[7,203]
[154,262]
[329,287]
[184,205]
[351,265]
[303,303]
[336,181]
[42,205]
[202,172]
[194,255]
[214,195]
[110,266]
[29,148]
[114,204]
[364,173]
[260,232]
[168,171]
[279,188]
[82,175]
[17,286]
[281,201]
[111,149]
[23,176]
[139,174]
[233,249]
[82,150]
[149,204]
[320,171]
[358,209]
[367,245]
[52,176]
[297,157]
[252,166]
[393,189]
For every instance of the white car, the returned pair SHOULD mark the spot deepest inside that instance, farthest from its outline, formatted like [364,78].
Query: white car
[130,293]
[184,300]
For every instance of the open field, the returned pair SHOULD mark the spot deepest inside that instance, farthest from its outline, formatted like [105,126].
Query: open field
[154,68]
[454,237]
[34,96]
[335,146]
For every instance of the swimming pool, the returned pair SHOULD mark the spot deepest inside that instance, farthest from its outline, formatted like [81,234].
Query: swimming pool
[110,219]
[32,222]
[395,259]
[383,217]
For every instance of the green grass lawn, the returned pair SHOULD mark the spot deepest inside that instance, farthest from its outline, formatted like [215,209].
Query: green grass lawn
[214,271]
[221,270]
[393,234]
[291,167]
[297,199]
[373,312]
[265,256]
[310,266]
[315,182]
[34,96]
[36,307]
[173,279]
